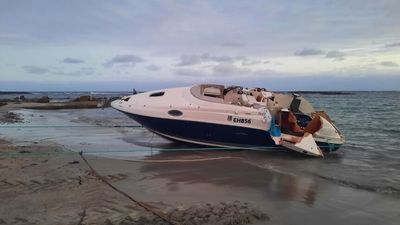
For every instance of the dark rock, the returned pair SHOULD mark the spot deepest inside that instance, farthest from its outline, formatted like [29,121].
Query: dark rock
[44,99]
[107,102]
[10,117]
[223,213]
[17,100]
[216,210]
[73,162]
[108,222]
[83,98]
[24,151]
[142,220]
[14,92]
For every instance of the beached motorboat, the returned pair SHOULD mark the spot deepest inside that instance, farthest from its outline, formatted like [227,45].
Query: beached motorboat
[233,117]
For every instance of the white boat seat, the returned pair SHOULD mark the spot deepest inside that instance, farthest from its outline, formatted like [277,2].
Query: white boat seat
[249,100]
[266,94]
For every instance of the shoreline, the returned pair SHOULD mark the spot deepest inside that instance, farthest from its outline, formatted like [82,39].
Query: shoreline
[252,186]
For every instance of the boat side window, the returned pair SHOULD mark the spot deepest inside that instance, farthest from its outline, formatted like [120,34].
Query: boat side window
[175,113]
[126,98]
[157,94]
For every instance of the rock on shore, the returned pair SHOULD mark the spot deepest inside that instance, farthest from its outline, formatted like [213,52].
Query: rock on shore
[10,117]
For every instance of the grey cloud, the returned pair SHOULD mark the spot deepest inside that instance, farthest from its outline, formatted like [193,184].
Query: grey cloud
[249,62]
[223,58]
[191,72]
[264,72]
[335,54]
[124,59]
[230,69]
[83,71]
[152,67]
[188,60]
[233,44]
[391,45]
[308,52]
[72,60]
[35,69]
[389,64]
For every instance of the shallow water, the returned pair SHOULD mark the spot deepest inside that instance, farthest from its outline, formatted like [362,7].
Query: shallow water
[370,157]
[361,181]
[368,160]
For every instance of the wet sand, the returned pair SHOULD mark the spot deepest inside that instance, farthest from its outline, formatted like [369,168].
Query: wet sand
[43,182]
[253,186]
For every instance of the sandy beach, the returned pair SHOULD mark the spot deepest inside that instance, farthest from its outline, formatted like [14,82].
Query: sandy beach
[44,180]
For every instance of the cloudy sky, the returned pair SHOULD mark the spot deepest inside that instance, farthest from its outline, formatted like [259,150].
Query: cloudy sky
[118,45]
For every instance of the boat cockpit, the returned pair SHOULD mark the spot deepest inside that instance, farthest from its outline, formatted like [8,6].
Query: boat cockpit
[292,111]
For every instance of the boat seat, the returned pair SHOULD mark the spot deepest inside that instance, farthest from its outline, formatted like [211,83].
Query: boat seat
[249,100]
[289,123]
[244,100]
[266,94]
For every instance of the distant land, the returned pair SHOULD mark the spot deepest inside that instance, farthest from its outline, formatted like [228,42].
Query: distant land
[14,93]
[324,92]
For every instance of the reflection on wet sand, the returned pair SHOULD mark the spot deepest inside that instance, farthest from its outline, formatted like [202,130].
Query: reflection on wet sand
[232,172]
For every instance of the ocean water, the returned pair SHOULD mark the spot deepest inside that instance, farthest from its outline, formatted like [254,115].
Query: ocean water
[369,160]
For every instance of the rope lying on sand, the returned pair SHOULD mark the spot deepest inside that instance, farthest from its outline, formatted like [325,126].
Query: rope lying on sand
[147,207]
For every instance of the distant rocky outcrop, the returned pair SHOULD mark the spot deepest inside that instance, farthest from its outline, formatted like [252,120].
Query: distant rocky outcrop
[83,98]
[14,93]
[44,102]
[44,99]
[324,92]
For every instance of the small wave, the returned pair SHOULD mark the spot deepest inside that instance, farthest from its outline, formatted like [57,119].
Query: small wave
[387,190]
